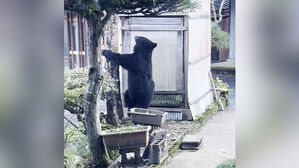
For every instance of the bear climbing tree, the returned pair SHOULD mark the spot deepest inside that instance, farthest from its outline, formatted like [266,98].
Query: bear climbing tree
[97,13]
[139,66]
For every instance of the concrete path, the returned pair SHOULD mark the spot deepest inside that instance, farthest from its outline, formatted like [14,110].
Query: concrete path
[218,143]
[228,63]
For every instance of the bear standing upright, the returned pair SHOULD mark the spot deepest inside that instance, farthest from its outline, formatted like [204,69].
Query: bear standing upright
[139,66]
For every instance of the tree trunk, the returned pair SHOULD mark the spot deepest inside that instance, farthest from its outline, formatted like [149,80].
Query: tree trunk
[99,155]
[115,114]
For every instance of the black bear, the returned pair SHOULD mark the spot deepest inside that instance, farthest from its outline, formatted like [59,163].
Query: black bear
[139,66]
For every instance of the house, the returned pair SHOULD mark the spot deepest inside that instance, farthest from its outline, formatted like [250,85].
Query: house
[181,61]
[228,25]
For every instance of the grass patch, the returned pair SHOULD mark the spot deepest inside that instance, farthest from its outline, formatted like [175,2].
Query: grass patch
[230,163]
[222,68]
[213,107]
[174,148]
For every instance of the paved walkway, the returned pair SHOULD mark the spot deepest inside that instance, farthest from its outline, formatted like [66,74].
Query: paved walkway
[218,134]
[228,63]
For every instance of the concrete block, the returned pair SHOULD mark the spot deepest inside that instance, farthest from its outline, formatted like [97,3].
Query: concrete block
[155,135]
[158,151]
[191,142]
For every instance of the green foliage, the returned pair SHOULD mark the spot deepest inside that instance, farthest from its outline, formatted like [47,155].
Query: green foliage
[74,87]
[230,163]
[76,151]
[223,101]
[214,107]
[75,78]
[113,154]
[220,39]
[108,86]
[220,84]
[211,108]
[73,96]
[147,7]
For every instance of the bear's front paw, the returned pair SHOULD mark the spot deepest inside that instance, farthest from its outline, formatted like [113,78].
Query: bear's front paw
[107,53]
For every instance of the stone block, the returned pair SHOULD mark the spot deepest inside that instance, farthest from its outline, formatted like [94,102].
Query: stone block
[191,142]
[158,151]
[155,135]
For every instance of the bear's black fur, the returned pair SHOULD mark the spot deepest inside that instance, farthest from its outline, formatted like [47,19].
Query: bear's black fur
[139,66]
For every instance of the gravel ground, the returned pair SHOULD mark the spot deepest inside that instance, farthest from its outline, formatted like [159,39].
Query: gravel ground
[177,129]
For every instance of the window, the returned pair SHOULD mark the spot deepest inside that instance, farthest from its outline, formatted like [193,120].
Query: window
[74,40]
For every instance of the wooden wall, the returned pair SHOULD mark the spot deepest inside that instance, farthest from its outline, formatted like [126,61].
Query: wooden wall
[225,25]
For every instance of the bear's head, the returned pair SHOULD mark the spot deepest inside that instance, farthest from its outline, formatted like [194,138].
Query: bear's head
[144,44]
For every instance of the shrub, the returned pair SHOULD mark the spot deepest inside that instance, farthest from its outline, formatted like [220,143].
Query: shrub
[108,86]
[76,151]
[75,78]
[220,39]
[74,87]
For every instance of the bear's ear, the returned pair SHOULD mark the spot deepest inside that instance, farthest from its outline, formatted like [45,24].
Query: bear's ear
[137,38]
[154,45]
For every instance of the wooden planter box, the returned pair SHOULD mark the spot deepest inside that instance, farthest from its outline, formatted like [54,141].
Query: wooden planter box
[128,139]
[147,116]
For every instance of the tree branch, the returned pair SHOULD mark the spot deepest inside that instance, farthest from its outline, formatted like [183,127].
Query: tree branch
[74,125]
[220,16]
[220,11]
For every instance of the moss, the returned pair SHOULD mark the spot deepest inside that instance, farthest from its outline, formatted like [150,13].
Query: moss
[107,126]
[174,148]
[213,107]
[222,68]
[123,129]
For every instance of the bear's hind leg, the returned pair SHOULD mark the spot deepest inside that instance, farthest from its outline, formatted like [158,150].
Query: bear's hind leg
[143,102]
[129,101]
